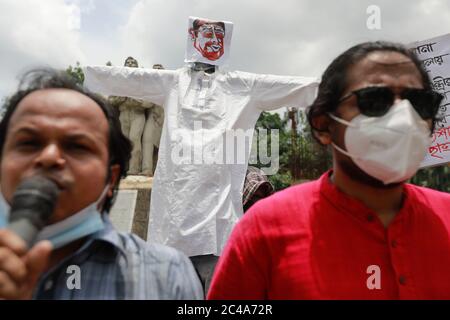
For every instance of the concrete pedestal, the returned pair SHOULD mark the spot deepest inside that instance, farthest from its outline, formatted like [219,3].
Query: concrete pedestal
[130,212]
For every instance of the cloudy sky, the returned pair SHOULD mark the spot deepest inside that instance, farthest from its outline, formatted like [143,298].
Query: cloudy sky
[291,37]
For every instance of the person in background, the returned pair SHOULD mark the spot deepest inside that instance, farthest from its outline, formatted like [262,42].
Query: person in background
[256,187]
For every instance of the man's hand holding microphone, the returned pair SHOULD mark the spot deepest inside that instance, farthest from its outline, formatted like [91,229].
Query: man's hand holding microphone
[22,261]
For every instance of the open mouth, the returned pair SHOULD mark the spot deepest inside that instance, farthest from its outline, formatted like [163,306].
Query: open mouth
[213,48]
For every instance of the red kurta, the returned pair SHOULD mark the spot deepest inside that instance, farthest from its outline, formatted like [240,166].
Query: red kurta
[312,241]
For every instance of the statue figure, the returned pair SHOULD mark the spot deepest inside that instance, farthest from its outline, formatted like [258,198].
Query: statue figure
[152,135]
[132,121]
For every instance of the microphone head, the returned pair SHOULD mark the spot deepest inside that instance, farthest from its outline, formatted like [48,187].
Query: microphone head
[34,199]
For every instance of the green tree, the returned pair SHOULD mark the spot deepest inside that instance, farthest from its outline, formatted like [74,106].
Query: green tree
[282,179]
[435,178]
[300,157]
[76,73]
[311,158]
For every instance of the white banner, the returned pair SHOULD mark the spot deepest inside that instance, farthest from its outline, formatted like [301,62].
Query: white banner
[435,56]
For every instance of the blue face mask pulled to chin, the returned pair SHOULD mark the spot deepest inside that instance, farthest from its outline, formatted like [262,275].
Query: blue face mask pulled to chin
[83,223]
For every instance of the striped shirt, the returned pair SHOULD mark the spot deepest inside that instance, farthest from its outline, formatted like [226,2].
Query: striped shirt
[113,265]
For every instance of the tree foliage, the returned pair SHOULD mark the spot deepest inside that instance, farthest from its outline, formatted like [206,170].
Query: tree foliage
[76,73]
[435,178]
[300,157]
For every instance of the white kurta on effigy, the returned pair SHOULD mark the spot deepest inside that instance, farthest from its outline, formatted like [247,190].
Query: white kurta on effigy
[196,203]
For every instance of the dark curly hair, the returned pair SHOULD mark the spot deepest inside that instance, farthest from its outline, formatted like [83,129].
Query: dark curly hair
[119,148]
[334,79]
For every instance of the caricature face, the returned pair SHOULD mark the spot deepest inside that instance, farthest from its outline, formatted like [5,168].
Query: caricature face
[209,39]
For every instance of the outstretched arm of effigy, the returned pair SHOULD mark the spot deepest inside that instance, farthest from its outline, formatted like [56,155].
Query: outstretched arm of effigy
[273,92]
[144,84]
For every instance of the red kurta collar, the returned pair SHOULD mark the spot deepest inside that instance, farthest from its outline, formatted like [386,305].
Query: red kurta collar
[355,207]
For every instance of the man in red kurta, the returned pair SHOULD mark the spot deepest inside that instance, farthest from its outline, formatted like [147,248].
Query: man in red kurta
[360,231]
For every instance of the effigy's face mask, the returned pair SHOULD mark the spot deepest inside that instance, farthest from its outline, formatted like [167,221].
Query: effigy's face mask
[208,41]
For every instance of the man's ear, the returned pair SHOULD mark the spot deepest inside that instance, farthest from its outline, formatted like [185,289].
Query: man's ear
[322,123]
[114,178]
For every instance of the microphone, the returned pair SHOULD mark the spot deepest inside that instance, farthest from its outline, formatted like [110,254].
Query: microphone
[32,205]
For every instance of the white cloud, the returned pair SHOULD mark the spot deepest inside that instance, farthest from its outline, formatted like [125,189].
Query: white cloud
[75,8]
[35,33]
[87,6]
[100,22]
[292,37]
[155,32]
[74,20]
[282,37]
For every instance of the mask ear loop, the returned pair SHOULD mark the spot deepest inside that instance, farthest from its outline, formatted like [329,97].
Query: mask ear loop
[341,121]
[100,203]
[344,122]
[102,198]
[103,194]
[343,151]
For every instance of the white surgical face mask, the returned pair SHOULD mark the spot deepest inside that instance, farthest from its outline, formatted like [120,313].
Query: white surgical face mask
[389,148]
[83,223]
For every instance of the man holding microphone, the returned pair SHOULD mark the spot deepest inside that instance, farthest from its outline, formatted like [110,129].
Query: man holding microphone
[70,139]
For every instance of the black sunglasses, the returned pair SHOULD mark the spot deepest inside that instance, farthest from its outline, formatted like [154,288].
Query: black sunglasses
[376,101]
